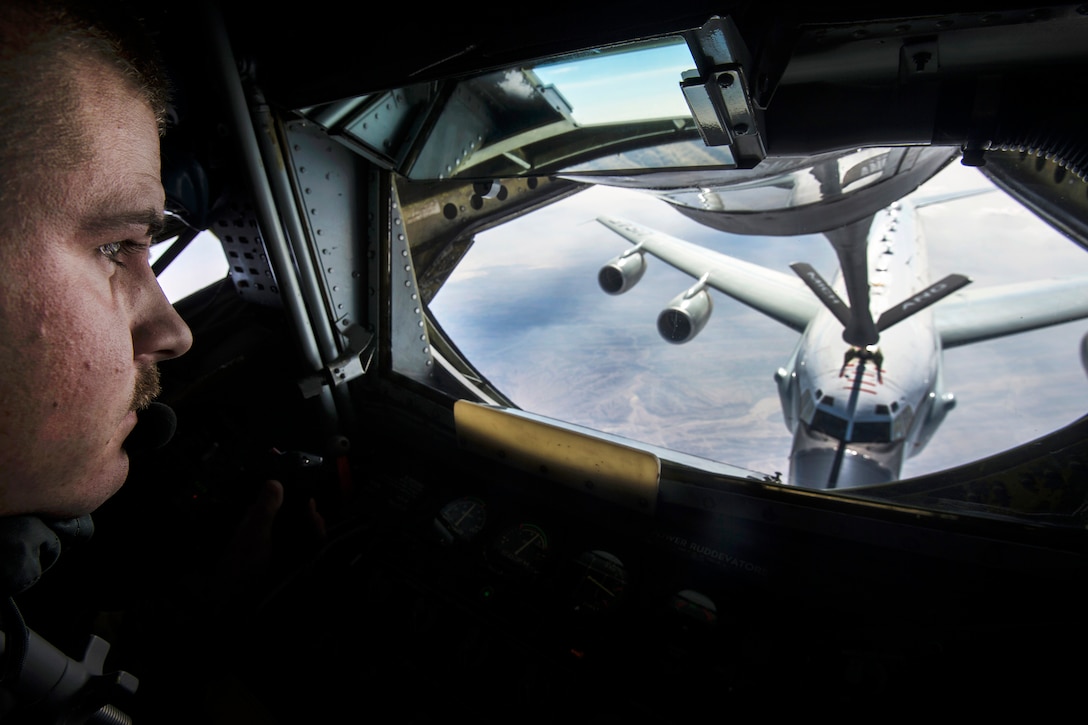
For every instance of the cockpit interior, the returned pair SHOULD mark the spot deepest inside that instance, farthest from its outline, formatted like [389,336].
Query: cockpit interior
[499,540]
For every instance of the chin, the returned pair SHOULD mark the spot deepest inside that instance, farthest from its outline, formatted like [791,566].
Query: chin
[96,488]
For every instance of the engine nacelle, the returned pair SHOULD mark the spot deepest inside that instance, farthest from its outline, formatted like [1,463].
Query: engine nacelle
[622,273]
[685,316]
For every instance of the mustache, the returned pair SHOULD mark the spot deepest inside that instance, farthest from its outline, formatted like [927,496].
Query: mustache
[147,387]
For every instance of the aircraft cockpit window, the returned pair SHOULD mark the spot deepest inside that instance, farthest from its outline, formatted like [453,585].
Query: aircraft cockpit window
[597,87]
[829,423]
[619,109]
[871,431]
[844,316]
[185,268]
[524,310]
[836,424]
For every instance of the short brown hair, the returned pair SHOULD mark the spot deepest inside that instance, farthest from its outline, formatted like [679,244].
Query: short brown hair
[40,43]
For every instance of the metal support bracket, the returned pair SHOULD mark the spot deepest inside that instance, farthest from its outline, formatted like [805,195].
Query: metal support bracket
[717,92]
[354,363]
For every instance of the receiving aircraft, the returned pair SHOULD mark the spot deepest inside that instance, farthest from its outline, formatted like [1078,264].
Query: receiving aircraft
[859,396]
[486,562]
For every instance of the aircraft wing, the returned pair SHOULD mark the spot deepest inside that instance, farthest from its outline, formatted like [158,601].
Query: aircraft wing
[988,312]
[780,296]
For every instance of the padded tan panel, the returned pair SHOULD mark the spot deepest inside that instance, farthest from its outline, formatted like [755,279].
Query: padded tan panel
[610,471]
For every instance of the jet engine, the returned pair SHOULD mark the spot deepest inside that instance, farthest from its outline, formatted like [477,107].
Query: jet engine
[686,315]
[623,272]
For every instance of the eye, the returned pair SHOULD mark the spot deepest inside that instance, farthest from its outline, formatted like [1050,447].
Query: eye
[115,250]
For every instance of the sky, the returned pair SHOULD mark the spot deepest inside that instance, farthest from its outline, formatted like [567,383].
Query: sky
[524,306]
[598,90]
[202,263]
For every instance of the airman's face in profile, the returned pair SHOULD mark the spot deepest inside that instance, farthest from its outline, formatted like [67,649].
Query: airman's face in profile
[83,320]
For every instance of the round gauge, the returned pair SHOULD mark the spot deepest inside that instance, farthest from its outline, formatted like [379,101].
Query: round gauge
[694,605]
[601,581]
[461,519]
[523,547]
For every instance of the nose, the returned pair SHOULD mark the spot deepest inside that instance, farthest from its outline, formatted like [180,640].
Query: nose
[158,332]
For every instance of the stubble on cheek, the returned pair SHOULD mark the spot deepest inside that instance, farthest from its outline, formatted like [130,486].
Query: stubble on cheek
[147,387]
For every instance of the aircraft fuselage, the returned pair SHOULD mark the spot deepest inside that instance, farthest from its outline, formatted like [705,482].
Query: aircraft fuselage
[856,413]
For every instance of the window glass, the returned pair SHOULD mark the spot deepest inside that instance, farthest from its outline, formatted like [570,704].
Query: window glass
[200,264]
[600,89]
[525,309]
[611,109]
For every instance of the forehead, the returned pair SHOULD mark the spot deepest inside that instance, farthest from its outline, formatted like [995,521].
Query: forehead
[119,178]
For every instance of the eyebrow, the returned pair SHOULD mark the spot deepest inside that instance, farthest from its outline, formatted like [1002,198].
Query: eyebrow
[151,219]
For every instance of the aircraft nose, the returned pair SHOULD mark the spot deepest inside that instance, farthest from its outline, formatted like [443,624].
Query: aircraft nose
[821,461]
[814,468]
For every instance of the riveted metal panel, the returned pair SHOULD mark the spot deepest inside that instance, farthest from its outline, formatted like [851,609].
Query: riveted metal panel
[330,181]
[466,121]
[243,246]
[411,347]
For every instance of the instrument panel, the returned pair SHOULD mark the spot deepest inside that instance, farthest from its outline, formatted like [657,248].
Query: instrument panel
[522,598]
[541,600]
